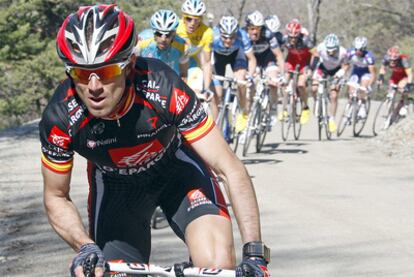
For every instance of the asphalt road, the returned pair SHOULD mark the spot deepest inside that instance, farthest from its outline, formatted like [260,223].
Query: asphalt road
[329,208]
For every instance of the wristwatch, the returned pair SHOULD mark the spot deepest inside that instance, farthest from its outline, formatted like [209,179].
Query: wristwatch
[256,249]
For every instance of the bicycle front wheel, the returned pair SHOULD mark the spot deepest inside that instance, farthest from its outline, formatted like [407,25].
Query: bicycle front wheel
[253,122]
[345,120]
[359,122]
[288,121]
[264,124]
[297,112]
[383,117]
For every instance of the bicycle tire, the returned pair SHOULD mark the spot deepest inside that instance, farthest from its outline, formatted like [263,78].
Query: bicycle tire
[383,117]
[359,124]
[251,126]
[328,133]
[345,119]
[286,122]
[265,119]
[233,115]
[297,112]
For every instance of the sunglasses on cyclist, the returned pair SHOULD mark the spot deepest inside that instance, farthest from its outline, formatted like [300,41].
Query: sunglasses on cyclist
[190,19]
[104,73]
[228,37]
[162,34]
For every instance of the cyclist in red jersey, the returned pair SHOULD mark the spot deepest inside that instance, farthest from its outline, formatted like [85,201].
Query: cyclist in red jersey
[147,140]
[401,73]
[299,52]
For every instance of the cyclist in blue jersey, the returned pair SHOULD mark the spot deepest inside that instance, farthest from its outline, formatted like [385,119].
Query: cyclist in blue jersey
[231,45]
[164,45]
[363,68]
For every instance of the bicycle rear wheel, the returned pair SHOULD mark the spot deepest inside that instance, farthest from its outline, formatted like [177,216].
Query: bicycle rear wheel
[383,117]
[252,125]
[297,111]
[232,115]
[288,121]
[325,122]
[345,119]
[264,124]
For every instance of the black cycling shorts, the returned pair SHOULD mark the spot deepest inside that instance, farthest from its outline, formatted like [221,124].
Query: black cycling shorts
[120,207]
[265,59]
[237,60]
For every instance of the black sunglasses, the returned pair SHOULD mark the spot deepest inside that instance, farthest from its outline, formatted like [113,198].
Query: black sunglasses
[167,35]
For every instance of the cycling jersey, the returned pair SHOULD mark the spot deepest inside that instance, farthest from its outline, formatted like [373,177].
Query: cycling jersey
[331,62]
[262,48]
[298,54]
[267,40]
[399,69]
[360,64]
[200,39]
[173,55]
[160,111]
[242,41]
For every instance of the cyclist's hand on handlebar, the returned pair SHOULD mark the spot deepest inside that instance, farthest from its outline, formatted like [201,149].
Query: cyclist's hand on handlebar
[408,87]
[252,267]
[88,262]
[208,94]
[250,81]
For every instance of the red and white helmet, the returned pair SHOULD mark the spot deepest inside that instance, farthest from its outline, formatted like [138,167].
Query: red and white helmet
[394,53]
[96,35]
[294,28]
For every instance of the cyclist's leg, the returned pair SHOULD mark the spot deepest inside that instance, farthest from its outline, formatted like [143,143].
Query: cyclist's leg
[219,68]
[198,214]
[239,66]
[303,94]
[404,96]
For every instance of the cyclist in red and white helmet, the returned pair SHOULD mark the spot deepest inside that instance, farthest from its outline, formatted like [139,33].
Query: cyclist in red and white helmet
[401,72]
[148,141]
[299,52]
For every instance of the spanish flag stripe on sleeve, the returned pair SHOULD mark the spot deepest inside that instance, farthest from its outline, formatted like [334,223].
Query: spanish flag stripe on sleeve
[200,131]
[60,168]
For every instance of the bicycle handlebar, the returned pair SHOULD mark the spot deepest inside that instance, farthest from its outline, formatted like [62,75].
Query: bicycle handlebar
[154,270]
[231,80]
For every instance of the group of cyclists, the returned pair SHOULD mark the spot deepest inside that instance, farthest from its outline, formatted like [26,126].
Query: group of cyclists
[261,42]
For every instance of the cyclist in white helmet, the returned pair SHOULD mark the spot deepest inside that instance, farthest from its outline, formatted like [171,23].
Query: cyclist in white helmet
[329,60]
[363,68]
[267,42]
[199,38]
[165,45]
[232,46]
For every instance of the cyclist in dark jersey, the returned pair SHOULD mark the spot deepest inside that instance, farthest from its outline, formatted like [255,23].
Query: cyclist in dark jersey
[267,42]
[148,142]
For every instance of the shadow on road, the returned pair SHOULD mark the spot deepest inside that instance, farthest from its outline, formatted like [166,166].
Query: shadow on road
[29,130]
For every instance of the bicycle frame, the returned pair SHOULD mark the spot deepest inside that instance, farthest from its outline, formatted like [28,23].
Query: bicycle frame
[321,107]
[291,100]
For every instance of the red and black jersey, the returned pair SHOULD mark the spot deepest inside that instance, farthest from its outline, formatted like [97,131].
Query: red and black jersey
[401,65]
[160,113]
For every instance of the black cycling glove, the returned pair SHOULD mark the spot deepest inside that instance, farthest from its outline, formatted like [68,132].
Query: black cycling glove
[86,259]
[252,267]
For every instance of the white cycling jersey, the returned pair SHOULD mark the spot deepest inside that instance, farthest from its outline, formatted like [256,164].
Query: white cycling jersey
[331,62]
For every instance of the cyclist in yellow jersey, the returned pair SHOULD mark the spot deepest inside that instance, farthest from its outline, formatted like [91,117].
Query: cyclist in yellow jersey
[200,39]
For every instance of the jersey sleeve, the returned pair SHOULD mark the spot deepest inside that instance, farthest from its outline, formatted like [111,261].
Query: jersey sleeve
[207,39]
[247,43]
[55,139]
[370,58]
[186,111]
